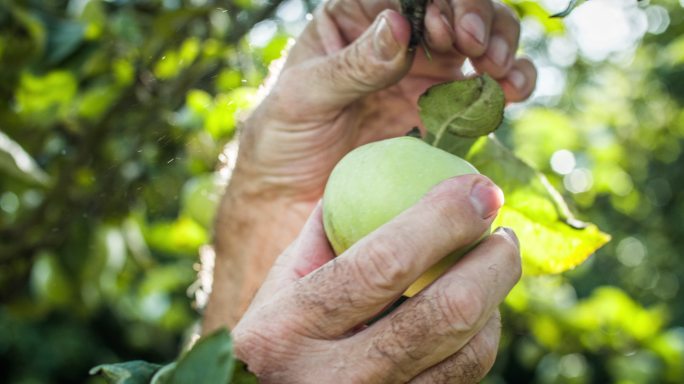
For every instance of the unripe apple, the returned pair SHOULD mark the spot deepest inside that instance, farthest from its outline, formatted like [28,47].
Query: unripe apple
[375,182]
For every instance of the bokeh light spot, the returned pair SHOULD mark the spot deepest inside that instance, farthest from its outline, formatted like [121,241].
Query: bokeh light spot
[563,162]
[631,251]
[579,180]
[9,202]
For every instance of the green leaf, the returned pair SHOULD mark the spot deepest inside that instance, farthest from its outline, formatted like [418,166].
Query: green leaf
[200,198]
[163,374]
[64,38]
[552,240]
[94,102]
[131,372]
[209,361]
[32,24]
[468,108]
[50,281]
[183,236]
[44,99]
[533,9]
[242,376]
[16,162]
[275,48]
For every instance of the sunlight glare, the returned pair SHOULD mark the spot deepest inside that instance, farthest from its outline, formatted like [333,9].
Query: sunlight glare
[604,28]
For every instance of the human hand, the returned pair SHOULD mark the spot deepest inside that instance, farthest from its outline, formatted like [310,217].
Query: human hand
[350,80]
[307,323]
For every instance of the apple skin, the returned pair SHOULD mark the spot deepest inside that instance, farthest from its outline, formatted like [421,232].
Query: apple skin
[376,182]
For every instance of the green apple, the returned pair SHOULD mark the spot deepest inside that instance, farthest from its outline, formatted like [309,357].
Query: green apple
[375,182]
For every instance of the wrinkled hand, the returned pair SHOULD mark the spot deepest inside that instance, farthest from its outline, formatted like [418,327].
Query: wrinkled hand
[350,79]
[307,323]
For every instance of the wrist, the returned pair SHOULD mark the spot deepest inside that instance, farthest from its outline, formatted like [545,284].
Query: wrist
[253,226]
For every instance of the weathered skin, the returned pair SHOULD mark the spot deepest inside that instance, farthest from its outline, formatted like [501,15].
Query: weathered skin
[376,182]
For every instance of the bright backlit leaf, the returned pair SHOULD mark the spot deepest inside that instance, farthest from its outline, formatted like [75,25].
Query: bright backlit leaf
[183,236]
[552,240]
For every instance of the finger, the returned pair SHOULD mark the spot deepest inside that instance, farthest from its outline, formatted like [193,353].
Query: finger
[440,320]
[520,81]
[376,60]
[352,17]
[309,251]
[503,44]
[472,362]
[439,33]
[364,279]
[473,20]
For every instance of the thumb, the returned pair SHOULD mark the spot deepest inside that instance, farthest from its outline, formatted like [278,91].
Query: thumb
[376,60]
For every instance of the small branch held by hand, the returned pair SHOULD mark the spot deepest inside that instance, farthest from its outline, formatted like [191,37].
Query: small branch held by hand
[414,11]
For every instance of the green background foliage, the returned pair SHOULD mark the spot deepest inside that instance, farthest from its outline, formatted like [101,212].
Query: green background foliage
[114,116]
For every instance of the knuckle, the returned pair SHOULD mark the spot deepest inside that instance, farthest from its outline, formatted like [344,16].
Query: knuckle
[469,365]
[251,347]
[443,202]
[387,361]
[462,310]
[450,203]
[266,347]
[359,71]
[473,364]
[382,266]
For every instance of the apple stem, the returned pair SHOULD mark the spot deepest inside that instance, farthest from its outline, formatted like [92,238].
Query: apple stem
[414,132]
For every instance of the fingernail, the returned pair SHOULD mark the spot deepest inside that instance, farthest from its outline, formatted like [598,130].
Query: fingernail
[510,233]
[486,198]
[475,26]
[447,23]
[517,79]
[498,51]
[385,45]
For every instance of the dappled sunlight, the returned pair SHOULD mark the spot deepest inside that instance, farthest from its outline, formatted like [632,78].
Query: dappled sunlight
[118,139]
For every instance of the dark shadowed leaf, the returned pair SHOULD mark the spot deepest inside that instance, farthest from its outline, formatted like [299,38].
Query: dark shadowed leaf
[64,37]
[209,361]
[242,376]
[131,372]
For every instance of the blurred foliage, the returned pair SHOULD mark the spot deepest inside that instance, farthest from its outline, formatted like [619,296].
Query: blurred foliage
[113,116]
[210,360]
[115,113]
